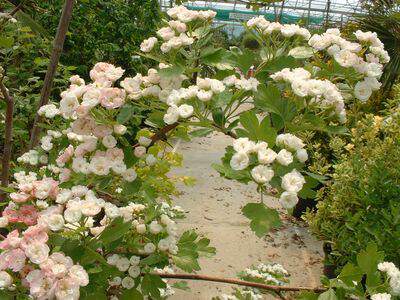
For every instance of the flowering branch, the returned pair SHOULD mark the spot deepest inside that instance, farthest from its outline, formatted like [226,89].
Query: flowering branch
[161,134]
[51,70]
[8,134]
[275,288]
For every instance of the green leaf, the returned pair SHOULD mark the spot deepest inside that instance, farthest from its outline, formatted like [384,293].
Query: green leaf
[263,218]
[125,114]
[204,249]
[350,273]
[6,42]
[173,71]
[151,285]
[307,296]
[269,100]
[115,230]
[328,295]
[213,56]
[181,285]
[131,294]
[201,132]
[369,258]
[243,60]
[249,121]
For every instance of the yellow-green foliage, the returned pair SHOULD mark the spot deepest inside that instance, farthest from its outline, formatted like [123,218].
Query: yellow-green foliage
[362,204]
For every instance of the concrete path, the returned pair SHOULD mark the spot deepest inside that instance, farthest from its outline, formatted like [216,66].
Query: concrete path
[213,207]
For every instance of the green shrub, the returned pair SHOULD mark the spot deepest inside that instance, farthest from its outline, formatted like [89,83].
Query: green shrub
[102,30]
[362,205]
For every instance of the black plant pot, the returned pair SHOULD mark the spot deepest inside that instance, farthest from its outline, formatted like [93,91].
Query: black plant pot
[302,205]
[329,268]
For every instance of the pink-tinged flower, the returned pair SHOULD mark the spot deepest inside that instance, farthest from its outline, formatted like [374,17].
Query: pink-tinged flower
[11,214]
[34,234]
[13,260]
[19,197]
[115,154]
[28,215]
[37,252]
[65,156]
[83,126]
[65,175]
[25,187]
[41,287]
[11,241]
[45,188]
[103,72]
[67,289]
[111,98]
[101,131]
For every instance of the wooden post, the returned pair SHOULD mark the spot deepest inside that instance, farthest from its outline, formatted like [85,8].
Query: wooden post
[8,137]
[51,70]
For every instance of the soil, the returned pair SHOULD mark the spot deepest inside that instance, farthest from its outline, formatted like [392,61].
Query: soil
[213,208]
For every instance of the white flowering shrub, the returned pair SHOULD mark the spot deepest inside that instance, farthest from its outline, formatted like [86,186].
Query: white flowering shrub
[90,211]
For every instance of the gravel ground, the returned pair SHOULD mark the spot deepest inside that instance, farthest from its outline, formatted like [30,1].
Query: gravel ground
[213,207]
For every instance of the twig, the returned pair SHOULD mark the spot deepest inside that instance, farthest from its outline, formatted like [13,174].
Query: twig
[8,135]
[275,288]
[161,134]
[51,70]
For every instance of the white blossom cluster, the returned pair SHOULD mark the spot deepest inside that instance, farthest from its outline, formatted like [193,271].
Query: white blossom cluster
[287,30]
[351,54]
[263,173]
[175,35]
[242,83]
[32,157]
[394,276]
[321,92]
[269,273]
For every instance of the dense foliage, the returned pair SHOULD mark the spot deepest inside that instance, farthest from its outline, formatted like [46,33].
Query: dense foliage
[361,204]
[102,31]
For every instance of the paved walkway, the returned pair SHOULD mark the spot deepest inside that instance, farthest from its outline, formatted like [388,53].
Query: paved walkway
[213,208]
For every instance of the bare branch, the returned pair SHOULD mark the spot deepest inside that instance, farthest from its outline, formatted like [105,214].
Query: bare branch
[51,70]
[8,135]
[275,288]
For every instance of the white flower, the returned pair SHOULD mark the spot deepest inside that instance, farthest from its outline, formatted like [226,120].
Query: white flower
[115,281]
[288,199]
[151,160]
[119,129]
[148,45]
[166,33]
[68,104]
[72,215]
[49,111]
[141,228]
[289,141]
[204,95]
[266,156]
[284,157]
[362,91]
[293,181]
[144,141]
[128,282]
[149,248]
[262,174]
[381,296]
[3,222]
[134,260]
[134,271]
[239,161]
[79,275]
[109,141]
[37,252]
[185,111]
[5,280]
[243,145]
[346,58]
[122,264]
[55,222]
[172,115]
[302,155]
[155,228]
[90,208]
[129,175]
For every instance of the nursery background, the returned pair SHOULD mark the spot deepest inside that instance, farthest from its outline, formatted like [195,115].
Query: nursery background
[238,149]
